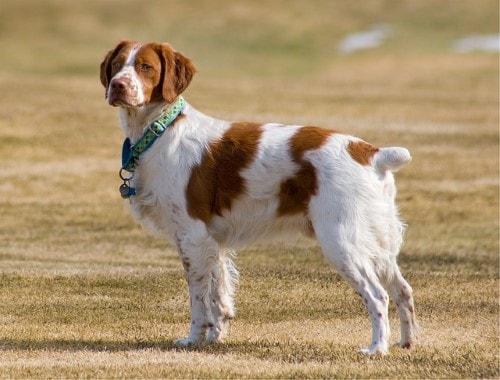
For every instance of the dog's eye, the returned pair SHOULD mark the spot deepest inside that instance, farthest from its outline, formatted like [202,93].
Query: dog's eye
[116,66]
[145,67]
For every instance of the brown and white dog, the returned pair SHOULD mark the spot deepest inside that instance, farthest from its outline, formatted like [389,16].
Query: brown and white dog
[211,185]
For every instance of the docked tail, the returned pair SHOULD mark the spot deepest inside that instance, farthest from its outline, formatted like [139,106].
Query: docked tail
[390,159]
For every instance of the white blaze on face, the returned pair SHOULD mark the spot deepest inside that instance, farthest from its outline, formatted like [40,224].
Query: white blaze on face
[133,94]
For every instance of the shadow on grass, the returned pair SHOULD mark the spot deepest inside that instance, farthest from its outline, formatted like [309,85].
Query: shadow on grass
[284,350]
[116,346]
[83,345]
[451,263]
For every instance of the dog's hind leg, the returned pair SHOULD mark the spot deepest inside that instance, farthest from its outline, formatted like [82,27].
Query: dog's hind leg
[402,295]
[342,240]
[360,274]
[364,280]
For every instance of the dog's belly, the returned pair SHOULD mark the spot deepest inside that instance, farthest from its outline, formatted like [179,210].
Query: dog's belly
[251,221]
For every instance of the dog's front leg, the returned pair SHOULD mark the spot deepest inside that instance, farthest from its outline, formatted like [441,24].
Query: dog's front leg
[225,279]
[199,260]
[201,315]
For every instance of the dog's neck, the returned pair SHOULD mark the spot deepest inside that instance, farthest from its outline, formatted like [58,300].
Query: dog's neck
[135,120]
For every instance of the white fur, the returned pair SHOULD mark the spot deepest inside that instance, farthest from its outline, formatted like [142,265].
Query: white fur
[353,215]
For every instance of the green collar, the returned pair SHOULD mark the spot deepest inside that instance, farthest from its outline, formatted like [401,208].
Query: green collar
[131,153]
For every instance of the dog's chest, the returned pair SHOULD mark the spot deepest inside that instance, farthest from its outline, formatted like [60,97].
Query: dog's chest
[160,183]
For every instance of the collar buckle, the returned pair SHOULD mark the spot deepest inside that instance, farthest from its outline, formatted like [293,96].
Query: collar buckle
[151,129]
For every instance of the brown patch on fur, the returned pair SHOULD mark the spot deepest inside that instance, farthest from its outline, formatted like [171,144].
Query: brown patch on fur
[361,152]
[177,72]
[169,72]
[149,67]
[296,191]
[308,138]
[216,182]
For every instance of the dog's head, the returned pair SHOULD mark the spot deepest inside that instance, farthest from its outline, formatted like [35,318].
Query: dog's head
[135,74]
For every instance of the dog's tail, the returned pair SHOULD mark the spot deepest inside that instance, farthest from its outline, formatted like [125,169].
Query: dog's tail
[390,159]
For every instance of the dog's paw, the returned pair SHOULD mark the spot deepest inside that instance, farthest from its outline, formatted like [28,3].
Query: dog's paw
[218,332]
[184,343]
[407,344]
[375,349]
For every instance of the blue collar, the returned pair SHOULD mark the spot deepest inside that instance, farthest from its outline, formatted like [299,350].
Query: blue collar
[131,153]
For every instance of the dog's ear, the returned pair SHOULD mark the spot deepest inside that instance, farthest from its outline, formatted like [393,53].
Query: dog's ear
[177,72]
[106,63]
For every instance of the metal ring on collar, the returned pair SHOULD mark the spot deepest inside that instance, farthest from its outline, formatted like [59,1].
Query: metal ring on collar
[124,177]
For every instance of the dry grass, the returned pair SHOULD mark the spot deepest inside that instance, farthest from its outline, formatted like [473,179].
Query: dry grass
[85,293]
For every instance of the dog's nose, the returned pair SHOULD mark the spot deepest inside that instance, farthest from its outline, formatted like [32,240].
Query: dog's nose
[118,84]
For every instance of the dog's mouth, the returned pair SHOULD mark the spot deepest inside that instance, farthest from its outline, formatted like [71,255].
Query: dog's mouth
[116,101]
[120,103]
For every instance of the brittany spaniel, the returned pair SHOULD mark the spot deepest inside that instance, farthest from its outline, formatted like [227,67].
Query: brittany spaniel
[211,185]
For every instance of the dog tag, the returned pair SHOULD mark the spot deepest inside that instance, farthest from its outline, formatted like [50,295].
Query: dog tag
[126,191]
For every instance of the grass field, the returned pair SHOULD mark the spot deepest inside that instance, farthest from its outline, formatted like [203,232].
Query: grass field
[85,293]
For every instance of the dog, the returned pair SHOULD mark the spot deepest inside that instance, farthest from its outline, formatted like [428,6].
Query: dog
[211,186]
